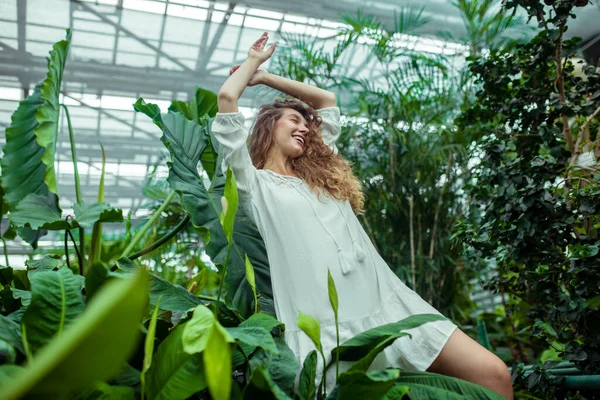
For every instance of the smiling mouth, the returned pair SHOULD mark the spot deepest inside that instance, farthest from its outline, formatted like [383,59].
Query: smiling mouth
[299,139]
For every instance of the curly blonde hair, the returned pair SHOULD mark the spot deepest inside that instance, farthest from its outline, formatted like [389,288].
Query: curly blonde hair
[322,170]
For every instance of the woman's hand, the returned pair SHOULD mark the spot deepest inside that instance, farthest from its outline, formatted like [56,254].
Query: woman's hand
[258,52]
[255,79]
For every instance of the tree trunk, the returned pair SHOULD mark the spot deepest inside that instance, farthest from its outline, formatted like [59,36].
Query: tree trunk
[438,207]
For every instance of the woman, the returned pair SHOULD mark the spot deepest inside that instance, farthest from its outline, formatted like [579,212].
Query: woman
[303,197]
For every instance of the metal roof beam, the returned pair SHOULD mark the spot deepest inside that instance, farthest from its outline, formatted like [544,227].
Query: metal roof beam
[216,39]
[133,35]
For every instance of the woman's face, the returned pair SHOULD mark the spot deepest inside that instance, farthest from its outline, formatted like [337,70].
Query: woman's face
[290,134]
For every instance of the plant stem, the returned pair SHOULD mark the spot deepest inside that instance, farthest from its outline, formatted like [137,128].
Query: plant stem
[203,297]
[138,236]
[222,279]
[324,373]
[67,249]
[162,240]
[68,232]
[73,155]
[96,243]
[81,254]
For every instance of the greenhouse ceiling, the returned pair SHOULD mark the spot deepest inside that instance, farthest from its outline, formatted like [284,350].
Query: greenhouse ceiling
[161,50]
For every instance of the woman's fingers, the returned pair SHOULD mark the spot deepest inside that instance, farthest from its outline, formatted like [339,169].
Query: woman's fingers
[261,40]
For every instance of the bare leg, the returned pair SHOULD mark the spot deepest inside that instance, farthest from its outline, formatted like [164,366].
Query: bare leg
[464,358]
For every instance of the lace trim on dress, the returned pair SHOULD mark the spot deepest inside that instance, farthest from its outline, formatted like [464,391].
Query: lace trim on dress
[283,180]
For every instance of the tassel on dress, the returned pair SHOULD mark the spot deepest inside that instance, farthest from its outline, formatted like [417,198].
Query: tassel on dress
[345,264]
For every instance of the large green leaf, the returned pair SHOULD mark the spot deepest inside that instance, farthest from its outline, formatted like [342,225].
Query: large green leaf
[87,214]
[151,110]
[265,321]
[46,263]
[427,385]
[28,161]
[173,297]
[10,332]
[197,329]
[359,385]
[361,345]
[255,337]
[37,211]
[186,141]
[87,351]
[55,303]
[398,392]
[203,103]
[149,346]
[364,363]
[310,325]
[174,373]
[229,202]
[282,367]
[217,361]
[307,387]
[263,386]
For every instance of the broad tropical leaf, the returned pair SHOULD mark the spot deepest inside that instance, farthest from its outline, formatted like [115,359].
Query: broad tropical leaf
[173,297]
[252,282]
[282,367]
[46,263]
[56,302]
[307,387]
[264,321]
[196,331]
[150,110]
[217,361]
[254,337]
[186,140]
[149,346]
[310,325]
[359,385]
[87,351]
[175,373]
[361,345]
[260,382]
[427,385]
[37,211]
[203,103]
[10,332]
[28,161]
[87,214]
[229,202]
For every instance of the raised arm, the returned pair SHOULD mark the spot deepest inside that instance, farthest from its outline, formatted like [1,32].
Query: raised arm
[234,86]
[315,97]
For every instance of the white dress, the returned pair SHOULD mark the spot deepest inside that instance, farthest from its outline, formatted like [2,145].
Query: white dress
[306,234]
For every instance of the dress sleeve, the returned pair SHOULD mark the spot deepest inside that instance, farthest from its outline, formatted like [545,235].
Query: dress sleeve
[330,127]
[231,133]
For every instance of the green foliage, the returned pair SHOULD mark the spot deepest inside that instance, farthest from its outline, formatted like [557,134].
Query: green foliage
[149,347]
[186,141]
[217,361]
[86,352]
[189,351]
[535,199]
[56,301]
